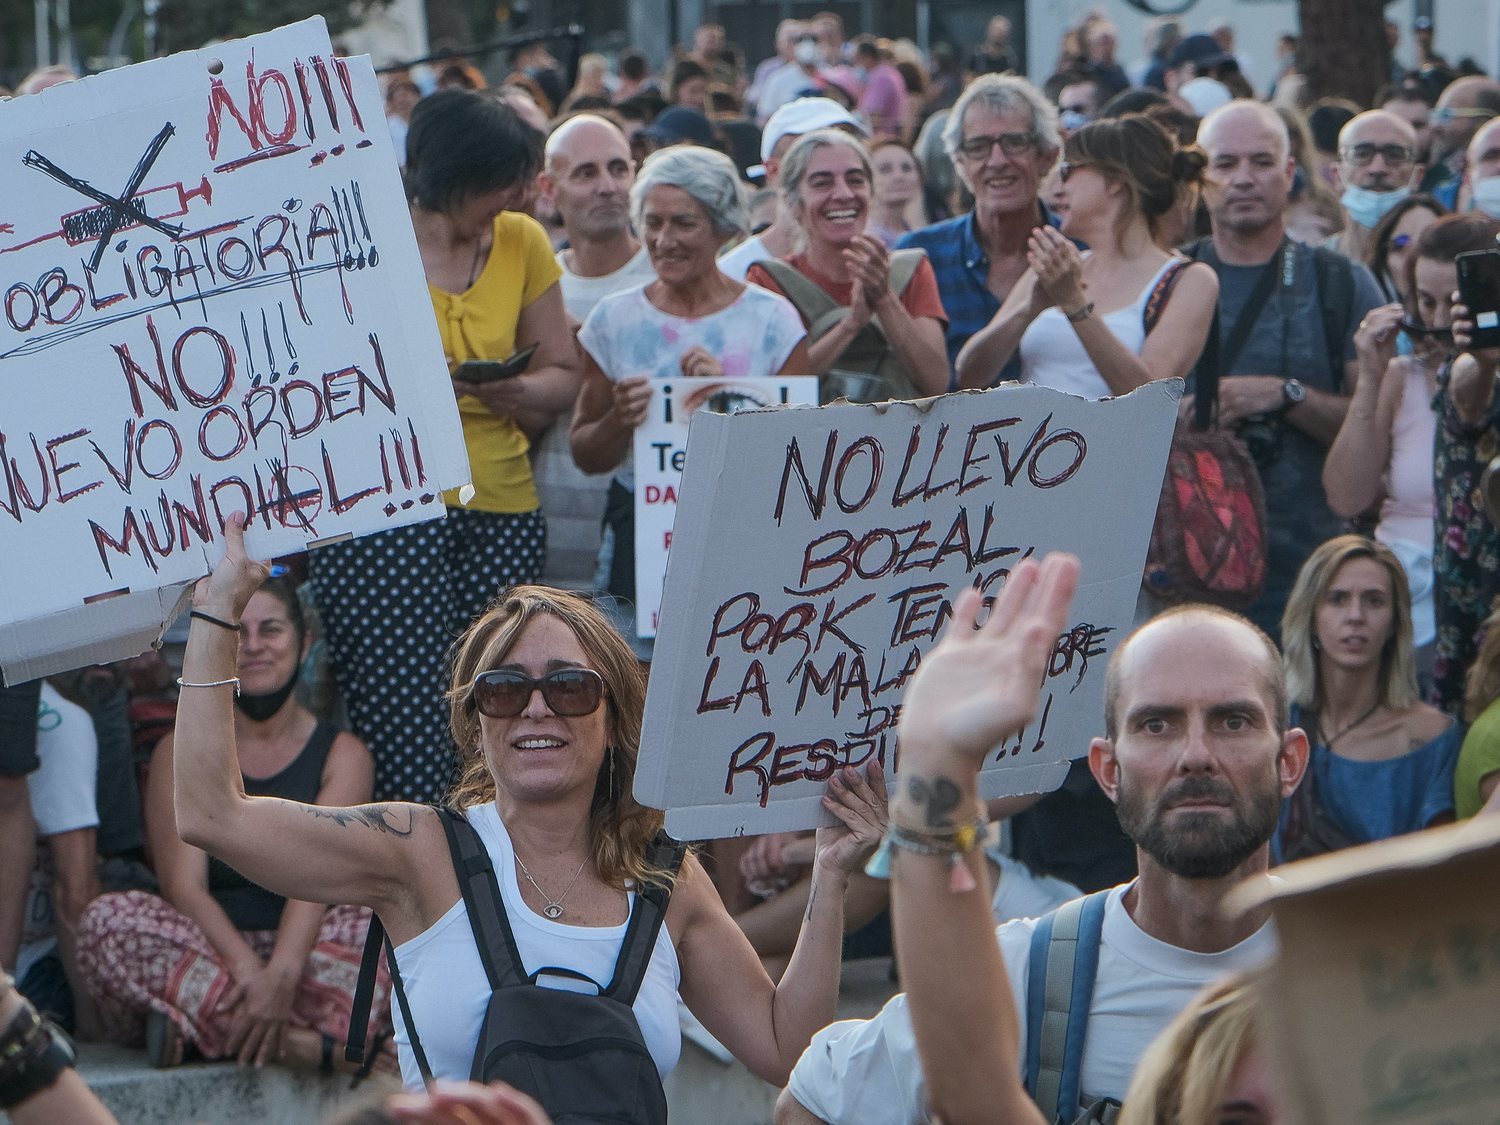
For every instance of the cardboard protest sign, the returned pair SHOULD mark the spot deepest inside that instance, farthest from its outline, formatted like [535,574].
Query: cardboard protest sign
[815,556]
[1380,1006]
[213,303]
[660,451]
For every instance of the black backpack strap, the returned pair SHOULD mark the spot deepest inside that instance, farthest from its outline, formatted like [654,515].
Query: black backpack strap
[646,920]
[1335,277]
[481,893]
[364,992]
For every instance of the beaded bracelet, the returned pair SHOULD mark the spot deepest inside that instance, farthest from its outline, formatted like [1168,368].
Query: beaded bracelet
[955,845]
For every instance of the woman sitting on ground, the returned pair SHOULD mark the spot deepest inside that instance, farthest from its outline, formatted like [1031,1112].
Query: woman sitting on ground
[1086,323]
[1382,761]
[218,963]
[545,705]
[875,321]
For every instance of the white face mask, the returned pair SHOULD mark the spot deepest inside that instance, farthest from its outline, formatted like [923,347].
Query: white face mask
[1487,196]
[1368,207]
[806,52]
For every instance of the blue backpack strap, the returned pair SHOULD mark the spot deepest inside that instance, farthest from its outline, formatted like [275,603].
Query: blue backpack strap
[1059,992]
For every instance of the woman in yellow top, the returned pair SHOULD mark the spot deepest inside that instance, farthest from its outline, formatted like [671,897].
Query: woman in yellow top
[391,602]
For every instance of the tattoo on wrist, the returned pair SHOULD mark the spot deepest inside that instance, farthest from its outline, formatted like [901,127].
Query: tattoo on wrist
[936,798]
[379,817]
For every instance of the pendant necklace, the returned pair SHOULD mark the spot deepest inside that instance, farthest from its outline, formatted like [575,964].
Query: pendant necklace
[554,908]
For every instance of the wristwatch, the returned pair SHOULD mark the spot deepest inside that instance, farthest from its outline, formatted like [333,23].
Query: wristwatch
[1292,393]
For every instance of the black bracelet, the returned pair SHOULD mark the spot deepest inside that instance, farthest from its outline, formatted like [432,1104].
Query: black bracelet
[212,620]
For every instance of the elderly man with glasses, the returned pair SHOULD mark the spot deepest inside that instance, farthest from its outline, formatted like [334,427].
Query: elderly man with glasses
[1376,169]
[1002,135]
[1461,110]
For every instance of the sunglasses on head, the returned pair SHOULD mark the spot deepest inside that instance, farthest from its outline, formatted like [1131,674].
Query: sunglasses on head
[569,692]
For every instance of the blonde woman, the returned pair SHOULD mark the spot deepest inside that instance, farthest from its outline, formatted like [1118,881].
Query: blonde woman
[1382,761]
[1205,1068]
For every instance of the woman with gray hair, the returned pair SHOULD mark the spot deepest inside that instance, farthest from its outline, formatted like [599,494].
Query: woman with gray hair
[693,320]
[874,318]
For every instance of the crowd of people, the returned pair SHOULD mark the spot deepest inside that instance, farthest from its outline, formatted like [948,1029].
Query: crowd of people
[465,695]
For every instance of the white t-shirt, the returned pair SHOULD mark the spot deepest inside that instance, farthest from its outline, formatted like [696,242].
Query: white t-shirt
[572,500]
[446,986]
[581,294]
[737,262]
[61,792]
[1053,356]
[752,337]
[868,1072]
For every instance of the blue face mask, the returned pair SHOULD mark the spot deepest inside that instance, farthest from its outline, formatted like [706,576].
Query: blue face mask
[1368,207]
[1071,120]
[1487,196]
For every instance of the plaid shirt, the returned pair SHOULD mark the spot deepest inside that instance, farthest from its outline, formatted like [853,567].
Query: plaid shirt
[963,270]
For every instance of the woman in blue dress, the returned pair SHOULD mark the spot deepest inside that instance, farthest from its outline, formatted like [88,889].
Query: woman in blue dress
[1382,761]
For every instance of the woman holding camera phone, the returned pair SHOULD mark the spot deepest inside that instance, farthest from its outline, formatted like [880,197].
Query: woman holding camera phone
[1466,553]
[1382,456]
[493,280]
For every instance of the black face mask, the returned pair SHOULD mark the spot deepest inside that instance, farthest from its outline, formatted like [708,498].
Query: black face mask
[259,708]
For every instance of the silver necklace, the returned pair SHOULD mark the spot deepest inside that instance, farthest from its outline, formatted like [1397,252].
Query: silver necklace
[554,908]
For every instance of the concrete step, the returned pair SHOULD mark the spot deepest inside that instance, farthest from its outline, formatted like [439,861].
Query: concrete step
[214,1093]
[702,1090]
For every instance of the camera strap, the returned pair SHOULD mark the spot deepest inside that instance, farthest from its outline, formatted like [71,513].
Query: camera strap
[1208,374]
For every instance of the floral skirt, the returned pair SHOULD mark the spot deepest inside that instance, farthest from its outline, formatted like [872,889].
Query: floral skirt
[138,954]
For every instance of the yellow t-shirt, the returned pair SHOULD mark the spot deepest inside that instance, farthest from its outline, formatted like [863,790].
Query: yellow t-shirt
[481,324]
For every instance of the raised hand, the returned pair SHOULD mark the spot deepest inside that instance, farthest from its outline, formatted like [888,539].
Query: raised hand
[227,591]
[1058,267]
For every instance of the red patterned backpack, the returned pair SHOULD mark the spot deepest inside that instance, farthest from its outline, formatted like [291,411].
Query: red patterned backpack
[1209,540]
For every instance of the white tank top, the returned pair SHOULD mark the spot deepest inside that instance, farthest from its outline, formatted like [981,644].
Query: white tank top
[1053,356]
[446,986]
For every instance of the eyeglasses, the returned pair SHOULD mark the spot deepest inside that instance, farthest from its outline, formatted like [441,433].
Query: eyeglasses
[1362,154]
[1401,241]
[1421,331]
[569,692]
[1012,144]
[1445,114]
[1067,168]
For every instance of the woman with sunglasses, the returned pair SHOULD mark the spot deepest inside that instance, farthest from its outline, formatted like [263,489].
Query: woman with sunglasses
[1393,238]
[217,965]
[1079,319]
[1381,460]
[545,706]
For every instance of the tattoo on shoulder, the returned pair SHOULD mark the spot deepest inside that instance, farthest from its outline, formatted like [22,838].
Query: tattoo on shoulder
[382,818]
[937,798]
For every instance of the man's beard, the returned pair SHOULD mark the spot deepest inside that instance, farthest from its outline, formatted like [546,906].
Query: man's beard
[1200,845]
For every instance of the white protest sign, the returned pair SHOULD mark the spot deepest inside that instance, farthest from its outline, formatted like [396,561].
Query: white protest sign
[213,303]
[660,451]
[815,557]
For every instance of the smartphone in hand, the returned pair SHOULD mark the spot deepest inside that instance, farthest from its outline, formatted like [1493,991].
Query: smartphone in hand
[1479,289]
[492,370]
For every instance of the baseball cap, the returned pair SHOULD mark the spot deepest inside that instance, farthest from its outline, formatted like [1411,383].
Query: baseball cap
[681,123]
[1201,50]
[803,116]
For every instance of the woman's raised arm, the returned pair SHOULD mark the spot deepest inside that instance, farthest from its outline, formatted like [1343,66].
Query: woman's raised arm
[367,855]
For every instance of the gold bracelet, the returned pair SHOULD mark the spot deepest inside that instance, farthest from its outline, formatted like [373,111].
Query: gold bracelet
[235,680]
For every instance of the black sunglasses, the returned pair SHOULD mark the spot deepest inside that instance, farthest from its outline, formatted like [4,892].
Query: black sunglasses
[569,692]
[1418,331]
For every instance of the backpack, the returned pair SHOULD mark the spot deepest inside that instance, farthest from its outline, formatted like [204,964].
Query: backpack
[869,354]
[582,1056]
[1208,541]
[1059,992]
